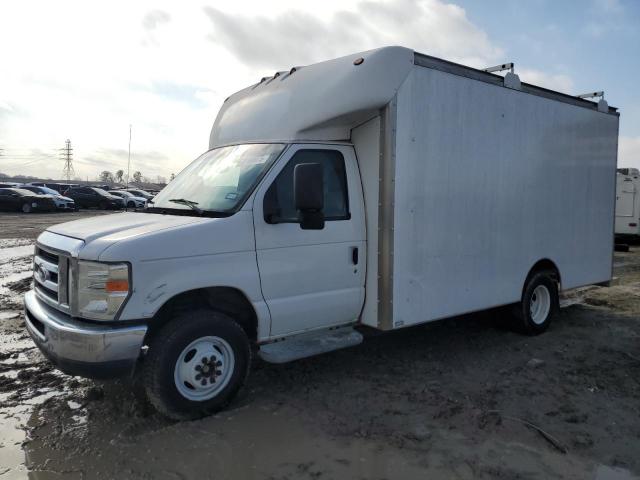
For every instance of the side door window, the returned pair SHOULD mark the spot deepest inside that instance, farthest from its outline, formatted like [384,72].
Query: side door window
[279,202]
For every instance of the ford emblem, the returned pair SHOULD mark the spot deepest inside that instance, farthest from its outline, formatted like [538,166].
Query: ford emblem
[40,273]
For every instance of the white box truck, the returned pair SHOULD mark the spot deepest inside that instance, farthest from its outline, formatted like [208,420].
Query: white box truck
[382,189]
[627,203]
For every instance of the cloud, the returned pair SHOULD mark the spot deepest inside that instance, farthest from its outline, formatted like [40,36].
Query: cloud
[154,18]
[553,81]
[605,16]
[607,6]
[295,37]
[629,151]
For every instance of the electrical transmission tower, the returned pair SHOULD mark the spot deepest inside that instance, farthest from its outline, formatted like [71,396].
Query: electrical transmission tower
[66,154]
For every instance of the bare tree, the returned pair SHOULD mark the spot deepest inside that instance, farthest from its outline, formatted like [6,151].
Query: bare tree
[137,177]
[119,175]
[106,176]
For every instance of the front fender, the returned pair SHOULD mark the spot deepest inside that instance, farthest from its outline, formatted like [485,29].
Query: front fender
[168,278]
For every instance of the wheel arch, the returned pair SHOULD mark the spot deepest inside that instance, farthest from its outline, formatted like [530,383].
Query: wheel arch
[544,265]
[228,300]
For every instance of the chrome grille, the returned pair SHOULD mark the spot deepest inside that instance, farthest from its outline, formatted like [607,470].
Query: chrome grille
[50,275]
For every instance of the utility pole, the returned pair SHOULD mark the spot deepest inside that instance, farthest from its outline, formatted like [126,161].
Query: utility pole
[66,154]
[129,157]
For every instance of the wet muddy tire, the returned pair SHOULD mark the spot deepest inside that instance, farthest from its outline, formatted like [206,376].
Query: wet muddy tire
[196,364]
[539,303]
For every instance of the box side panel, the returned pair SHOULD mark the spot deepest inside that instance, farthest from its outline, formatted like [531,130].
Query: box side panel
[366,141]
[489,180]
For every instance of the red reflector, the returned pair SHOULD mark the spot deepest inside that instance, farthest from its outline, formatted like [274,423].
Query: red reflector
[633,224]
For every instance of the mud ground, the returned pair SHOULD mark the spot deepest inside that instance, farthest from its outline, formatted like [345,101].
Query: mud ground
[464,398]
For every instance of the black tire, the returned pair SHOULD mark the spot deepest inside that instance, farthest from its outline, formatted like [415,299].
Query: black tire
[165,350]
[131,205]
[536,324]
[102,206]
[26,208]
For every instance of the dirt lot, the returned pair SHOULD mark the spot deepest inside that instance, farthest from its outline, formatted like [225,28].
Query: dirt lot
[464,398]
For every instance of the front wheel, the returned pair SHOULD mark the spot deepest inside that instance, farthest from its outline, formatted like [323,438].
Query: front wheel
[26,208]
[131,205]
[196,364]
[539,303]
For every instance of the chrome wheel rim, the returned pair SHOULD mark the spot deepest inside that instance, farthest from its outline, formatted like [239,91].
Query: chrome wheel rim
[540,304]
[204,368]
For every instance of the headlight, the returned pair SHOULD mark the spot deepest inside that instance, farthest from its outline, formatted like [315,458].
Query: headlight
[102,289]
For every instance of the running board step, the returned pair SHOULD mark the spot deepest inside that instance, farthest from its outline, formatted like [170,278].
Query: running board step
[309,344]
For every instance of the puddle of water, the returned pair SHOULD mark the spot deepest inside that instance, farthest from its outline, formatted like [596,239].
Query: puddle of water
[604,472]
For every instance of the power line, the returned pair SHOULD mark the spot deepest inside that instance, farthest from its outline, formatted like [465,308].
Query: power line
[66,154]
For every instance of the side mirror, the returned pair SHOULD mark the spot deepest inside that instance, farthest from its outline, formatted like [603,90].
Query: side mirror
[308,194]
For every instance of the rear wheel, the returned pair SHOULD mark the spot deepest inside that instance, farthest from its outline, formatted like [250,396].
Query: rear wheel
[539,303]
[196,364]
[102,205]
[26,208]
[131,205]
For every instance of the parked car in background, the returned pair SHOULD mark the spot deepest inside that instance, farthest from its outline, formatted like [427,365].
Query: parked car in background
[131,200]
[9,185]
[18,199]
[140,193]
[88,197]
[58,187]
[62,202]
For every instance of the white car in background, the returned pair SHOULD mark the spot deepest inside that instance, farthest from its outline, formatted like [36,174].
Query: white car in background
[131,200]
[140,193]
[62,202]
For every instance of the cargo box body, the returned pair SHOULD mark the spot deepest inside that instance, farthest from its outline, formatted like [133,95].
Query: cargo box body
[628,203]
[468,184]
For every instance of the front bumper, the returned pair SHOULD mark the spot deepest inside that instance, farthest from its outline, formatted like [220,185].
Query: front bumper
[66,206]
[81,348]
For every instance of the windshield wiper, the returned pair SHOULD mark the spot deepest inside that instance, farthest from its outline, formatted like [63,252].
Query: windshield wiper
[189,203]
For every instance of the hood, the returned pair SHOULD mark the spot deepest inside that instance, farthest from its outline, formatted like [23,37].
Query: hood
[104,230]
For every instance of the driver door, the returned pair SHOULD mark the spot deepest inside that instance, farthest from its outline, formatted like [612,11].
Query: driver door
[311,278]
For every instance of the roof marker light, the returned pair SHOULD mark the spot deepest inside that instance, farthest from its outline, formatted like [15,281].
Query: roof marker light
[358,61]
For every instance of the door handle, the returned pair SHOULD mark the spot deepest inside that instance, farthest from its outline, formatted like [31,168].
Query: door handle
[354,255]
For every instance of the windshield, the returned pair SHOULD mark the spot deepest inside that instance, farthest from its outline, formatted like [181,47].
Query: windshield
[219,180]
[139,193]
[48,191]
[101,192]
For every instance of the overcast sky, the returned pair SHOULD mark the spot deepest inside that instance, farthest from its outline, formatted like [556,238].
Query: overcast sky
[86,70]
